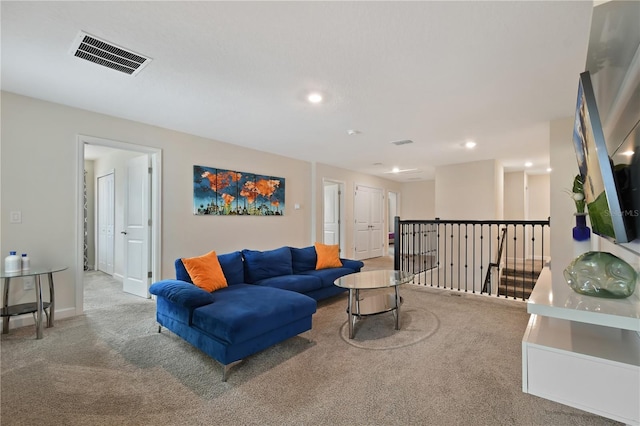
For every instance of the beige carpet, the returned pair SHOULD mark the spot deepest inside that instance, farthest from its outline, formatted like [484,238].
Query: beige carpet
[456,361]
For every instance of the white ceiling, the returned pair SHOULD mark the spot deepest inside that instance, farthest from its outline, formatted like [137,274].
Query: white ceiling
[438,73]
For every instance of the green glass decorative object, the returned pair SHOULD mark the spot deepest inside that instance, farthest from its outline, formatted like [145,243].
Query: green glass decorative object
[601,274]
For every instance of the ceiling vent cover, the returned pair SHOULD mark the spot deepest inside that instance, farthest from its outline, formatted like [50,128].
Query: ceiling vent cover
[402,142]
[107,54]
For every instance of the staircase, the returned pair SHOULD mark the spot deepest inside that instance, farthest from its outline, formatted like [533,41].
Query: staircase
[518,278]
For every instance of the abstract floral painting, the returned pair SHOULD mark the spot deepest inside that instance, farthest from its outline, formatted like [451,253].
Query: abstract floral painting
[229,193]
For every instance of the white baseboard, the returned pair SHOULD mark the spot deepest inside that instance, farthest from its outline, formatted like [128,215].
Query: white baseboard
[27,319]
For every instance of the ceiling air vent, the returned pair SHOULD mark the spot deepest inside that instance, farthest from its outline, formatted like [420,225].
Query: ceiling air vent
[403,142]
[107,54]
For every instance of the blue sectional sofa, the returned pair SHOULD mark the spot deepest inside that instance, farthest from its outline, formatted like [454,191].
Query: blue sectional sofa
[270,297]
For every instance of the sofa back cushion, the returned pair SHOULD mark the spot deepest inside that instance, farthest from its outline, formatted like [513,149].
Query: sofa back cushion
[259,265]
[303,259]
[231,264]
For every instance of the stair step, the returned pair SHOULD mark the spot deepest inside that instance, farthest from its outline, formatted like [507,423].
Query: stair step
[511,292]
[526,272]
[518,281]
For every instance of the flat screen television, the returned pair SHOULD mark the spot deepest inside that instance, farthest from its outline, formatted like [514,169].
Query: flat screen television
[603,197]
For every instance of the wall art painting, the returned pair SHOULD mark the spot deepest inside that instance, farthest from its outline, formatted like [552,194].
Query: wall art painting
[223,192]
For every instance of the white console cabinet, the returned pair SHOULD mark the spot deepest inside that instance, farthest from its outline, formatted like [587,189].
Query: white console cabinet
[583,351]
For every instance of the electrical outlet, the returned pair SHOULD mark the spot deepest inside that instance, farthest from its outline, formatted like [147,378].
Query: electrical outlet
[29,283]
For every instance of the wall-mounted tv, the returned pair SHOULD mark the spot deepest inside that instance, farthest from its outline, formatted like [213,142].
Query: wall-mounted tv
[607,215]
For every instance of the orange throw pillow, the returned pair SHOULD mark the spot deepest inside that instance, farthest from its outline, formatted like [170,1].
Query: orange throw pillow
[328,256]
[205,271]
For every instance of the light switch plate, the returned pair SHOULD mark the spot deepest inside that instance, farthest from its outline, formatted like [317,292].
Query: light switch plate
[15,217]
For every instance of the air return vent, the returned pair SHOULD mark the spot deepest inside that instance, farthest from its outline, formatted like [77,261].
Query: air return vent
[107,54]
[402,142]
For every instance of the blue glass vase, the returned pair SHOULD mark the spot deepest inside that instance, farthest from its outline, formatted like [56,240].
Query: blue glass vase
[581,231]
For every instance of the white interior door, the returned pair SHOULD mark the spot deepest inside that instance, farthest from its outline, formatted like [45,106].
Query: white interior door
[368,214]
[137,222]
[105,223]
[376,218]
[331,213]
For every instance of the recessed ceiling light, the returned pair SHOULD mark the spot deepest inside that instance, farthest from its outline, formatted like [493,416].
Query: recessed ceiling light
[314,98]
[402,142]
[549,169]
[397,170]
[470,145]
[627,153]
[528,164]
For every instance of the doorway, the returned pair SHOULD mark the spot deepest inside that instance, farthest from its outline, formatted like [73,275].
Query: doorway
[151,175]
[393,210]
[333,211]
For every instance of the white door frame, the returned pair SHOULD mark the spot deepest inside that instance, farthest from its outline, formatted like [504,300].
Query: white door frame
[341,227]
[155,155]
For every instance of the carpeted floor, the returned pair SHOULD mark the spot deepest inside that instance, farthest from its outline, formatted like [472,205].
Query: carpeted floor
[455,361]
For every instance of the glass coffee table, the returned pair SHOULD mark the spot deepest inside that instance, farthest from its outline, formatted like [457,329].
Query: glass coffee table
[372,303]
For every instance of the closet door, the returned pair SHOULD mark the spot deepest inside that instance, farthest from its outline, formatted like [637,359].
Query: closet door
[368,214]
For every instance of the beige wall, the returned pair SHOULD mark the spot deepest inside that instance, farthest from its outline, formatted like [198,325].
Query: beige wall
[538,197]
[350,180]
[418,200]
[514,195]
[469,191]
[39,178]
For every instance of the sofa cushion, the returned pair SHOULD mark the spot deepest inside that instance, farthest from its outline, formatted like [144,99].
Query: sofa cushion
[259,265]
[328,276]
[233,267]
[244,311]
[328,256]
[231,264]
[297,283]
[303,259]
[205,271]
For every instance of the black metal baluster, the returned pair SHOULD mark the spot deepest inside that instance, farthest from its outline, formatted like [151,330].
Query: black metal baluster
[439,254]
[466,257]
[473,272]
[533,257]
[515,255]
[481,258]
[451,264]
[458,265]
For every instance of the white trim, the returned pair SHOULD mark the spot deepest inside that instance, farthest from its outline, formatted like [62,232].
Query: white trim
[155,155]
[343,234]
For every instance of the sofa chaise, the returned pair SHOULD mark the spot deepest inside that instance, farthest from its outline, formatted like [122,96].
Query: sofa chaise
[269,296]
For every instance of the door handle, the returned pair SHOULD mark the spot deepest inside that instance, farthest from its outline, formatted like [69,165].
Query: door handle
[123,232]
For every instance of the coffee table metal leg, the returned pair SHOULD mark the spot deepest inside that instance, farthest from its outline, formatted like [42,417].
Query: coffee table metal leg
[350,316]
[397,309]
[5,320]
[52,301]
[39,308]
